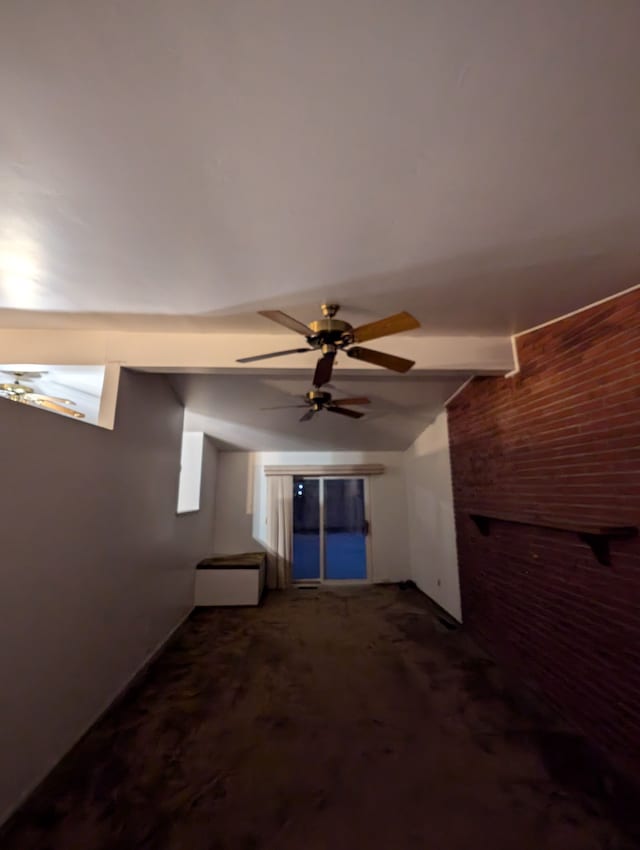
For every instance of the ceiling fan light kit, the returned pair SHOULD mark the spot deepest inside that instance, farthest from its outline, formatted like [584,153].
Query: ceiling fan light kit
[24,394]
[329,336]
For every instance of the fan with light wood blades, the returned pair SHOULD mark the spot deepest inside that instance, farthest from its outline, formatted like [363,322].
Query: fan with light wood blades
[24,394]
[317,400]
[330,335]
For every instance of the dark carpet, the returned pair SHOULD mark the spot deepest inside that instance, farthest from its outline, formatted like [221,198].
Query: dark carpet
[323,720]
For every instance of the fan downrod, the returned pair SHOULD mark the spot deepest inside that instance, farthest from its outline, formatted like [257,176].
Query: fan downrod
[329,310]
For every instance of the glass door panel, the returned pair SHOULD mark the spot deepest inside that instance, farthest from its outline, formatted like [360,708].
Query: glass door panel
[307,558]
[345,529]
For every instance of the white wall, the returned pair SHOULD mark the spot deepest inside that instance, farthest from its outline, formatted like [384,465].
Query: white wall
[432,534]
[412,518]
[233,518]
[190,482]
[241,498]
[96,567]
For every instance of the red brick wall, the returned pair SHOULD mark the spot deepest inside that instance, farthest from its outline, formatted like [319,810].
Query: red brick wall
[561,439]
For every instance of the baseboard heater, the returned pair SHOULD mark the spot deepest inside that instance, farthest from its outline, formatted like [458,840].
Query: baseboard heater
[231,579]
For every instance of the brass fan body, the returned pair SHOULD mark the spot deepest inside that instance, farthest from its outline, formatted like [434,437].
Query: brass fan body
[331,335]
[317,399]
[16,392]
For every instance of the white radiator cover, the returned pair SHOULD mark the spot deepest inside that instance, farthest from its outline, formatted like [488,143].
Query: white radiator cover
[233,586]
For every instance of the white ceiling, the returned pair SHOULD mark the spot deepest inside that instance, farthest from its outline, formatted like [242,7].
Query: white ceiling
[229,408]
[475,163]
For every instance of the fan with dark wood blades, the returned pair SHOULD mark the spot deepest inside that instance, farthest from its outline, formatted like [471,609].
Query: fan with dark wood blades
[24,394]
[330,335]
[317,400]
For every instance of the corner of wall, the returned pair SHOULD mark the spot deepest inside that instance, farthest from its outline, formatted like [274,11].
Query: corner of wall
[433,554]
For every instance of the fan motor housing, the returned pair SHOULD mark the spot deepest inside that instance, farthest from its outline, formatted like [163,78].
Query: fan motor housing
[332,331]
[317,398]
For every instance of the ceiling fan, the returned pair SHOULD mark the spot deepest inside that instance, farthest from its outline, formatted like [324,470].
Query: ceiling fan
[317,400]
[24,394]
[330,335]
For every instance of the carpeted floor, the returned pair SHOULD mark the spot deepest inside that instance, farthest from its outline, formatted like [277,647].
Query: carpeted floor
[323,720]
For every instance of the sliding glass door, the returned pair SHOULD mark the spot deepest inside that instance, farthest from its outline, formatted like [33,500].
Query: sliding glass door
[307,522]
[330,529]
[345,529]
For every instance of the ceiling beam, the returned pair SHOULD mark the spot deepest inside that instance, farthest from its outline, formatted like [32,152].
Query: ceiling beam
[214,351]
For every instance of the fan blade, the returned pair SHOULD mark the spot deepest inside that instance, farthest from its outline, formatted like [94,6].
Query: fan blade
[385,327]
[274,354]
[50,405]
[25,376]
[284,407]
[36,396]
[324,369]
[344,411]
[379,358]
[308,415]
[351,401]
[288,321]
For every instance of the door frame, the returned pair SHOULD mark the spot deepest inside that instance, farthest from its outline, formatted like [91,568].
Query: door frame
[341,582]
